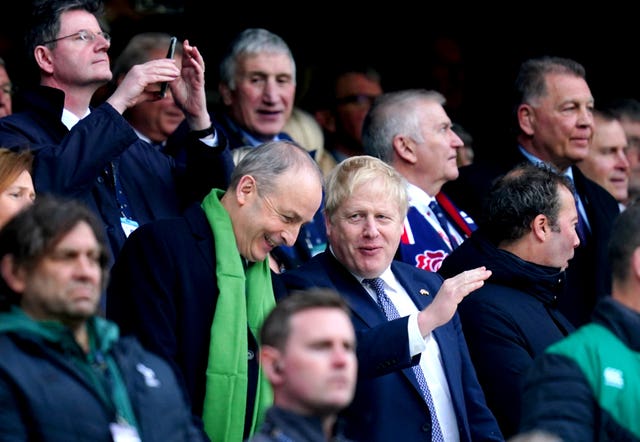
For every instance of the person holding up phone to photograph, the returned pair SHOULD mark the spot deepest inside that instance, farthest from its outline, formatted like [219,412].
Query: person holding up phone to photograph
[92,153]
[154,121]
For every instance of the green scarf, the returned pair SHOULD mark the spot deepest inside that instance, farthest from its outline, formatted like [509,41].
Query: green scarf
[244,299]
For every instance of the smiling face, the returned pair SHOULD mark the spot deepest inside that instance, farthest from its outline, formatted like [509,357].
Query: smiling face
[263,98]
[65,285]
[318,364]
[265,221]
[632,131]
[607,163]
[364,232]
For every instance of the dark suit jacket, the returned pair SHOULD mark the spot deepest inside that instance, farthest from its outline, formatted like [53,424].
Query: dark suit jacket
[163,289]
[388,405]
[589,272]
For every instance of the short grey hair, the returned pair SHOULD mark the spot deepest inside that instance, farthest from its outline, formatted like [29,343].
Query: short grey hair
[252,41]
[268,161]
[392,114]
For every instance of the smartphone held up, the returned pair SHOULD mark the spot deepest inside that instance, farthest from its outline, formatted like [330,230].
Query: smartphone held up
[170,53]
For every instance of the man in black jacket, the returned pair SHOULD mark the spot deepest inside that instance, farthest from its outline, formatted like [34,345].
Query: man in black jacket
[527,238]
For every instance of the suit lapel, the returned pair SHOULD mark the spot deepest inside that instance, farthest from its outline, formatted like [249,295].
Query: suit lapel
[365,309]
[362,304]
[422,295]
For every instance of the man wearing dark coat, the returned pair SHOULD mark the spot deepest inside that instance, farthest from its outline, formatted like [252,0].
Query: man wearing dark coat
[526,238]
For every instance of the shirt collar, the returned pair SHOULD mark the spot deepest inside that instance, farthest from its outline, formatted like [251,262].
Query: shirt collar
[70,119]
[386,275]
[418,198]
[535,160]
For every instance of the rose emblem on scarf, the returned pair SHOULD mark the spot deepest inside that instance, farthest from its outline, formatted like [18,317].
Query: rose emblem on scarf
[430,260]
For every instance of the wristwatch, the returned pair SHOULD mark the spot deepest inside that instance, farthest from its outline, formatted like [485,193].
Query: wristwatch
[198,134]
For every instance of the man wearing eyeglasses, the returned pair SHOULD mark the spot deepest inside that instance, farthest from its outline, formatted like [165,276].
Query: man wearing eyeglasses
[93,154]
[340,105]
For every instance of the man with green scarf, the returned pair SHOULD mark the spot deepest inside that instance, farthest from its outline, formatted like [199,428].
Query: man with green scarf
[196,289]
[65,374]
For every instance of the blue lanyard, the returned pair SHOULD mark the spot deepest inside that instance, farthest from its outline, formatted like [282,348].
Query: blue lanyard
[121,197]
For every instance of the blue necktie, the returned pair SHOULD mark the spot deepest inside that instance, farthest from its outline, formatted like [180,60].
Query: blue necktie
[442,219]
[377,284]
[581,227]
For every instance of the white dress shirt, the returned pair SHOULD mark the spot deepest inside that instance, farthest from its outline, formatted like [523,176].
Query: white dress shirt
[430,360]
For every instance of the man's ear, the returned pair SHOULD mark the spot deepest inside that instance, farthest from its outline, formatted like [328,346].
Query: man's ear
[225,94]
[272,365]
[635,263]
[328,225]
[540,227]
[405,149]
[246,189]
[42,55]
[325,118]
[526,118]
[13,276]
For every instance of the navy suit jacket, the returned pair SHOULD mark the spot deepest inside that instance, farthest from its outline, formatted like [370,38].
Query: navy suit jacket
[388,405]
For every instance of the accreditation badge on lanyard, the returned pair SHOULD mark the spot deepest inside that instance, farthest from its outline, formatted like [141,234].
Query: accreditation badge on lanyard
[122,432]
[128,225]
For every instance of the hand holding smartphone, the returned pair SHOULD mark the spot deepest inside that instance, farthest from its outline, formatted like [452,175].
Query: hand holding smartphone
[172,50]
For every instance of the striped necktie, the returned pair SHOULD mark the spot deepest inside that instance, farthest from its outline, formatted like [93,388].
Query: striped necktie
[442,219]
[385,304]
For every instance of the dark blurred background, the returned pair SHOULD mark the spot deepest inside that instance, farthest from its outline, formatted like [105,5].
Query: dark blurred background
[469,52]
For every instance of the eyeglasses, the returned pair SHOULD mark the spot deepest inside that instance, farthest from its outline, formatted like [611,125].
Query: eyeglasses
[633,142]
[82,35]
[7,88]
[358,100]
